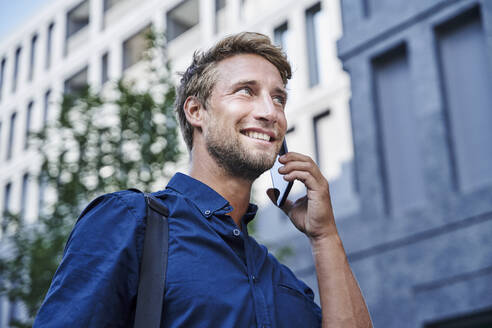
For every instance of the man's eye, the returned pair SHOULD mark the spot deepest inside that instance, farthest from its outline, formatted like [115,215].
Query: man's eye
[279,99]
[245,90]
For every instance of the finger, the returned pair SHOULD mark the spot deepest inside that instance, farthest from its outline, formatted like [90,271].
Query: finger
[299,166]
[293,156]
[300,162]
[305,177]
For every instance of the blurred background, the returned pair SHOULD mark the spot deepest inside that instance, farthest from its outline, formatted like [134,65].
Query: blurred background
[392,98]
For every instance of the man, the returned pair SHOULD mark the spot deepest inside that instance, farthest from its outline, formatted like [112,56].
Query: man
[230,106]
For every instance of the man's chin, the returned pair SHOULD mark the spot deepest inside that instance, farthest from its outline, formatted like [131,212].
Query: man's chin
[242,159]
[268,155]
[255,166]
[266,163]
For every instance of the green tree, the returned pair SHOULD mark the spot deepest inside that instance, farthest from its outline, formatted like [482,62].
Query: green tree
[102,141]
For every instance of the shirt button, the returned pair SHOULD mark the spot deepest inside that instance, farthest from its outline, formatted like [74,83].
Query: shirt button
[236,232]
[253,278]
[207,212]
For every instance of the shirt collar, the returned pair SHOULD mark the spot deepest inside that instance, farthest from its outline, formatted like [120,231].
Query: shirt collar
[250,213]
[207,200]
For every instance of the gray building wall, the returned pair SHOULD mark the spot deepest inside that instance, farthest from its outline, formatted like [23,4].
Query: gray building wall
[421,243]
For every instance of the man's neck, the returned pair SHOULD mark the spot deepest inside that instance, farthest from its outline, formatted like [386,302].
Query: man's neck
[235,190]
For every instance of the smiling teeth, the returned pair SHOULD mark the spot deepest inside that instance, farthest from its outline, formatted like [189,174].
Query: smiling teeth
[258,135]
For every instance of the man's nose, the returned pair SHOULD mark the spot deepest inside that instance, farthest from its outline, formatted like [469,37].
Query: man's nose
[265,109]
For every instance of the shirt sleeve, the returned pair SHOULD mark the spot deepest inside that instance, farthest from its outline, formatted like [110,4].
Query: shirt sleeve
[97,280]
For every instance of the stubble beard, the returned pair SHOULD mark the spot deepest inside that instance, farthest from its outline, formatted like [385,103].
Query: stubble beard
[235,158]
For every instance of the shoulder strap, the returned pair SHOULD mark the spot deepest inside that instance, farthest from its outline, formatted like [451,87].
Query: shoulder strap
[152,280]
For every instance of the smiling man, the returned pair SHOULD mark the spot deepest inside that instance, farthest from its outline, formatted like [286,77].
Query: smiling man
[230,106]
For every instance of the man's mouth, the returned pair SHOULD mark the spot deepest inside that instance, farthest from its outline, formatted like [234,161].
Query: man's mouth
[258,135]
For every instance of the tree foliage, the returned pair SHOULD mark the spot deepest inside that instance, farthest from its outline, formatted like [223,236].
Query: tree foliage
[102,141]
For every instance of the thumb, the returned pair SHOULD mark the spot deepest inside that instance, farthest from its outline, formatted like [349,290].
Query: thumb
[273,194]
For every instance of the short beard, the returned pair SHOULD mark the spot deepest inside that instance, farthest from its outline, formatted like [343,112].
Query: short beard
[235,160]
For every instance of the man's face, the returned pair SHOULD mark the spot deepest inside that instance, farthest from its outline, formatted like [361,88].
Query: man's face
[245,120]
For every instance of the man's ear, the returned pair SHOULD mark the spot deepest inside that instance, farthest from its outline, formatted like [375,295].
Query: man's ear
[194,111]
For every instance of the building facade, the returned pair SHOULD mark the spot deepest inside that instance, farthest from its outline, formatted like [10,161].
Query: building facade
[69,44]
[421,104]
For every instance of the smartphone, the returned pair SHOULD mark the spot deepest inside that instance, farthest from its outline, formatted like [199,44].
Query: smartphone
[282,187]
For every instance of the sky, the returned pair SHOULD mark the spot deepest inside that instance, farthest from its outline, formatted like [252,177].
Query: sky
[14,13]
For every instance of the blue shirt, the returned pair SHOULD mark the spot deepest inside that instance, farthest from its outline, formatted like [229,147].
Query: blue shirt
[217,275]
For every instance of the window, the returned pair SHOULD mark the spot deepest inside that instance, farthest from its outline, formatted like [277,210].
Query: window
[3,64]
[399,153]
[25,190]
[334,154]
[28,124]
[10,144]
[42,183]
[320,122]
[32,61]
[134,48]
[77,82]
[281,35]
[77,18]
[49,43]
[104,68]
[182,18]
[6,204]
[466,78]
[17,59]
[282,38]
[312,40]
[46,106]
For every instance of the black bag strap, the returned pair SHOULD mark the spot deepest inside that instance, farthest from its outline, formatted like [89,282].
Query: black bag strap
[152,280]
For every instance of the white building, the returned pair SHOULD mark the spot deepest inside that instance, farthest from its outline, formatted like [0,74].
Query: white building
[73,42]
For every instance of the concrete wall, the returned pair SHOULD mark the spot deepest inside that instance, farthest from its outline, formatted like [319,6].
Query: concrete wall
[430,260]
